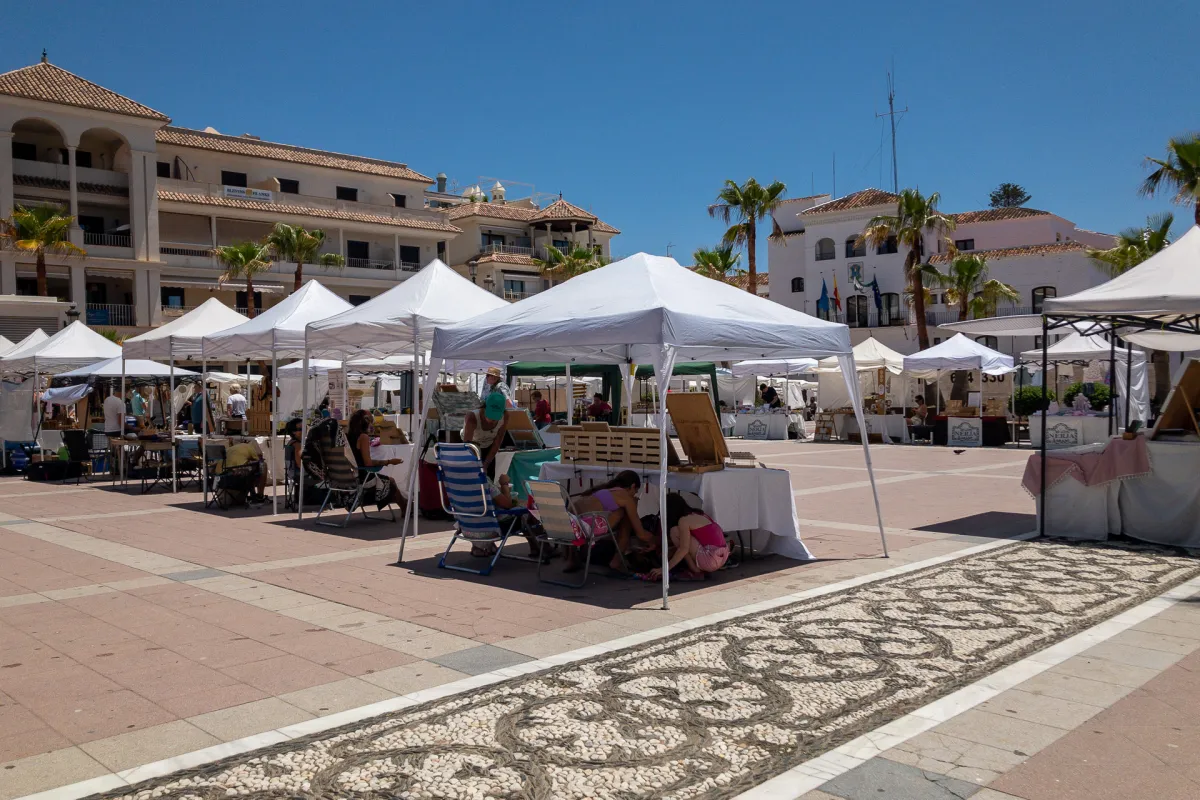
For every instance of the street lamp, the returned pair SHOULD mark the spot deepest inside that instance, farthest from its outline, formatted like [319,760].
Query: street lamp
[72,315]
[473,268]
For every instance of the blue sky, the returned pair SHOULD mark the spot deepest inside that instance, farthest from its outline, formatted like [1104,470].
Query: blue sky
[639,110]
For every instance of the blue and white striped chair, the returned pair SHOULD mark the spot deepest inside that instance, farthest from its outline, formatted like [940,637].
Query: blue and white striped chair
[465,485]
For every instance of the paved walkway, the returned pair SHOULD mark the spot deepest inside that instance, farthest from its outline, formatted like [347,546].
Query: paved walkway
[141,628]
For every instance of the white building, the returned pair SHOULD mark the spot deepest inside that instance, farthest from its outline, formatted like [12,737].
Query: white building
[152,200]
[1038,253]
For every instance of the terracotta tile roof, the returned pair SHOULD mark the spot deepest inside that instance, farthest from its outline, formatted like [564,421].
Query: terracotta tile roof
[523,214]
[787,234]
[84,186]
[863,199]
[51,84]
[257,148]
[997,214]
[743,280]
[307,211]
[802,199]
[508,258]
[1054,248]
[561,209]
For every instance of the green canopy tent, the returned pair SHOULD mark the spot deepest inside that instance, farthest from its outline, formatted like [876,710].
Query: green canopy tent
[609,374]
[706,368]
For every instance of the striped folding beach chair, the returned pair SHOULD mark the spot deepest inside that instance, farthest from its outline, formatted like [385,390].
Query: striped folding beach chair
[477,520]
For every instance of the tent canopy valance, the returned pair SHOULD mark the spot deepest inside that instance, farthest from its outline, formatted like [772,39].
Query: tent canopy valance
[958,353]
[437,295]
[869,354]
[133,367]
[774,367]
[181,338]
[1077,347]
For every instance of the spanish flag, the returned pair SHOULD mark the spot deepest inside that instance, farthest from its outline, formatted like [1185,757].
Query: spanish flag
[837,298]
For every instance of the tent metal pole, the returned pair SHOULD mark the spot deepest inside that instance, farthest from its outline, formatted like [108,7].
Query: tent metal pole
[570,395]
[121,467]
[170,420]
[1045,406]
[273,440]
[204,428]
[668,368]
[412,415]
[303,431]
[1128,378]
[1112,378]
[414,489]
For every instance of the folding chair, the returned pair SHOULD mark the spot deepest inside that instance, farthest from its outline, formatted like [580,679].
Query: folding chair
[235,485]
[562,526]
[465,484]
[345,481]
[76,442]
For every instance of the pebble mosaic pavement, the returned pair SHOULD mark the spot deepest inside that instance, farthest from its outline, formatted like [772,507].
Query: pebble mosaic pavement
[711,712]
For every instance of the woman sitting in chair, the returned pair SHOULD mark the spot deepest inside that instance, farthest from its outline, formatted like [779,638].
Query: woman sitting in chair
[617,499]
[380,486]
[696,541]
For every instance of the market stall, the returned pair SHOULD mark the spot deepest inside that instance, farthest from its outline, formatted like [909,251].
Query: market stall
[883,386]
[644,310]
[757,422]
[969,417]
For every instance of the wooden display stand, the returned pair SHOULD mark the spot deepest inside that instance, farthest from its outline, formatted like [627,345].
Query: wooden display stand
[521,430]
[1180,412]
[698,430]
[824,431]
[259,421]
[595,443]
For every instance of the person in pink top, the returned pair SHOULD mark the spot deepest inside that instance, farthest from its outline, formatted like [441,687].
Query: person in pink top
[697,541]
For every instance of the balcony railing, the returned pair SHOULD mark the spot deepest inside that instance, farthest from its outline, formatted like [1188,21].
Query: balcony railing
[185,249]
[369,263]
[107,239]
[176,311]
[109,314]
[514,296]
[507,249]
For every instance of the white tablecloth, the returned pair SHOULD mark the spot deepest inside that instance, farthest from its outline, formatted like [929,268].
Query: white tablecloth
[651,421]
[894,425]
[1163,507]
[397,472]
[755,500]
[1066,431]
[750,425]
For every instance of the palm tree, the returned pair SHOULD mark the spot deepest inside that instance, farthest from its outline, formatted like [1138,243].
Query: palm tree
[294,243]
[747,204]
[1135,245]
[1179,171]
[720,263]
[916,215]
[244,260]
[39,230]
[575,261]
[967,286]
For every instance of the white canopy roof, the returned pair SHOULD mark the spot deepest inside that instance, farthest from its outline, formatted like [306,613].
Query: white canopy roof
[768,367]
[182,336]
[1166,283]
[958,352]
[278,331]
[134,367]
[27,346]
[437,295]
[869,354]
[6,345]
[322,365]
[74,346]
[1077,347]
[1016,325]
[628,310]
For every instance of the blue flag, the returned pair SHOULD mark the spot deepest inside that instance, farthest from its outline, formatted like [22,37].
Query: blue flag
[874,284]
[823,301]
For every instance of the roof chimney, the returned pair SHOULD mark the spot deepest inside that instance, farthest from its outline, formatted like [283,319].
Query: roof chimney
[441,182]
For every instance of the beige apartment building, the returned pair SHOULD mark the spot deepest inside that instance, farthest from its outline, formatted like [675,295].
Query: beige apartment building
[152,200]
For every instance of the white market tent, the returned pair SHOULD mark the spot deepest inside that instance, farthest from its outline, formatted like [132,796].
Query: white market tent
[1163,289]
[1131,378]
[182,337]
[74,346]
[958,353]
[646,310]
[869,355]
[5,345]
[29,344]
[134,367]
[773,367]
[276,333]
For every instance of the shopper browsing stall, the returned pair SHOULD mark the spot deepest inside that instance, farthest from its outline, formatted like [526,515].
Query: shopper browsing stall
[485,429]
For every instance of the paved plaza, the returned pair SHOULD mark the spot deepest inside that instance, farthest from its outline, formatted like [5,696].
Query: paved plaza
[142,635]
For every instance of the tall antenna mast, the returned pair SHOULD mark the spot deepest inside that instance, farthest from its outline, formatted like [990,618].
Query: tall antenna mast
[891,115]
[835,194]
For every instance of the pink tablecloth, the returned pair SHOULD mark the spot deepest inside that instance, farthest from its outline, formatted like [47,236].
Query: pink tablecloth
[1120,459]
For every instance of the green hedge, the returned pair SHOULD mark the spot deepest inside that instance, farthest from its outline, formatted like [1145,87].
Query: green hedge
[1099,399]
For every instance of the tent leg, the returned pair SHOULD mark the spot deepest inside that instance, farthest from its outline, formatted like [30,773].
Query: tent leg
[1045,406]
[170,420]
[303,432]
[273,440]
[204,430]
[1112,378]
[668,368]
[1128,378]
[570,396]
[122,448]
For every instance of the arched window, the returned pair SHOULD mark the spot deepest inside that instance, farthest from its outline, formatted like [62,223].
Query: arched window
[988,341]
[855,247]
[1039,296]
[891,310]
[797,284]
[888,247]
[856,311]
[825,250]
